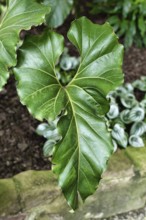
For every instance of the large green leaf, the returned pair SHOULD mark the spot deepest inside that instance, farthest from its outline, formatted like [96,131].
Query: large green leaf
[20,14]
[81,156]
[60,9]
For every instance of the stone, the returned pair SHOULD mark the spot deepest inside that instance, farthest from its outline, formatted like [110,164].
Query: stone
[138,158]
[9,203]
[121,189]
[36,188]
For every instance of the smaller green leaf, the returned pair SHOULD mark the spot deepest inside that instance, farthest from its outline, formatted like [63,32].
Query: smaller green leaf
[127,6]
[125,116]
[42,128]
[129,87]
[69,63]
[128,101]
[123,27]
[138,128]
[121,91]
[136,141]
[49,130]
[48,147]
[112,96]
[136,114]
[66,63]
[118,121]
[115,22]
[120,135]
[60,9]
[115,145]
[142,25]
[113,112]
[140,84]
[143,78]
[143,104]
[130,34]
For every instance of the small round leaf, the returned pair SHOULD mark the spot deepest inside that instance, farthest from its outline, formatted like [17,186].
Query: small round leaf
[136,141]
[120,135]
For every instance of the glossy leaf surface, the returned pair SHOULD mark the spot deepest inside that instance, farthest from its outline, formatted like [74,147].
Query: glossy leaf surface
[60,9]
[20,14]
[81,156]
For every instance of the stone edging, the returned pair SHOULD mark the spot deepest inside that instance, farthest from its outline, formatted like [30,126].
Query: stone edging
[35,193]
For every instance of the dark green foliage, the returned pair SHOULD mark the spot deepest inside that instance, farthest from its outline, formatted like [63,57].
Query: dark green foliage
[127,17]
[81,150]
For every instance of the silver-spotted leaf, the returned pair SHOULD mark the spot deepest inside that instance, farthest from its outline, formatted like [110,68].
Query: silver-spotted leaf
[136,114]
[20,14]
[119,134]
[115,145]
[140,84]
[143,104]
[136,141]
[129,87]
[138,128]
[48,147]
[42,129]
[81,156]
[113,112]
[121,91]
[48,131]
[125,116]
[128,100]
[68,63]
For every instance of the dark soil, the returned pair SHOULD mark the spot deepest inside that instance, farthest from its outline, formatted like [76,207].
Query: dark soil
[20,146]
[134,64]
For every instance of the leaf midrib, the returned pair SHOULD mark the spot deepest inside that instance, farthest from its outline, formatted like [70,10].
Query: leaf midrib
[77,131]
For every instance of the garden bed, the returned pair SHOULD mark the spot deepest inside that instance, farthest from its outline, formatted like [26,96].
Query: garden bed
[20,146]
[35,192]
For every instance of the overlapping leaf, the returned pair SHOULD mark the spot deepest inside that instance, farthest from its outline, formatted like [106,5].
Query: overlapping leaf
[81,156]
[60,9]
[20,14]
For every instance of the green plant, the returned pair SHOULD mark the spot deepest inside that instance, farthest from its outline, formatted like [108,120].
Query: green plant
[81,153]
[73,106]
[65,70]
[127,115]
[127,17]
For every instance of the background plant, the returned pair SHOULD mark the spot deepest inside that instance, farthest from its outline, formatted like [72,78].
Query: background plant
[127,115]
[19,15]
[60,9]
[128,18]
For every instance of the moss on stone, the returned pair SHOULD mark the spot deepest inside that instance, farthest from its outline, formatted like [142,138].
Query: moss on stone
[8,197]
[118,163]
[35,187]
[138,158]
